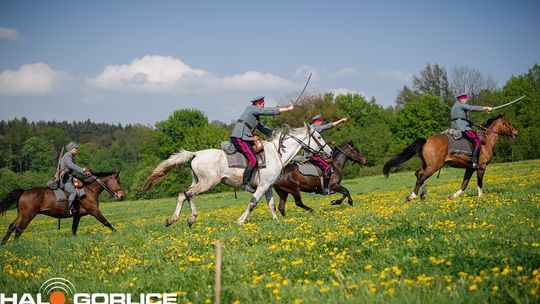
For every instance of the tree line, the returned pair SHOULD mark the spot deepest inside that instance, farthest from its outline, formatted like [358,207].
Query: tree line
[29,151]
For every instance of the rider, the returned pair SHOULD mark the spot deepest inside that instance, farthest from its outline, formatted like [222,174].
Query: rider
[461,122]
[242,134]
[67,166]
[317,125]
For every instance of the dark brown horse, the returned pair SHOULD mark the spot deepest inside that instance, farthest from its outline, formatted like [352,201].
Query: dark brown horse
[292,181]
[41,200]
[434,154]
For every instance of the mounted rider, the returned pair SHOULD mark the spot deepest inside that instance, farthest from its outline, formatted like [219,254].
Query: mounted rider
[242,134]
[317,160]
[461,122]
[67,166]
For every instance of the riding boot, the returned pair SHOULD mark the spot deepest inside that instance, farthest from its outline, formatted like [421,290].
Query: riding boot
[326,182]
[73,207]
[474,159]
[246,179]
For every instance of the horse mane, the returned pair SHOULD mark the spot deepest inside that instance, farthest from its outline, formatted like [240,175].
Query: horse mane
[491,120]
[92,178]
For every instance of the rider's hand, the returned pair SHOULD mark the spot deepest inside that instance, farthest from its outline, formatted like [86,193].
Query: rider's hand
[488,109]
[87,172]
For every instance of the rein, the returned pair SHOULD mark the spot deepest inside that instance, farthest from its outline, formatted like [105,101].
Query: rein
[104,185]
[344,153]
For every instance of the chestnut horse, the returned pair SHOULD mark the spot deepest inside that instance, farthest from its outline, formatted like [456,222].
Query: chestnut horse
[434,154]
[292,181]
[42,200]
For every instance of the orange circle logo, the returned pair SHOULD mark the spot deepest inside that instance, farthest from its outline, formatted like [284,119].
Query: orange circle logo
[57,297]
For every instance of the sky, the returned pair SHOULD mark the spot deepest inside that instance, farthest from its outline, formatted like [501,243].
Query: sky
[133,62]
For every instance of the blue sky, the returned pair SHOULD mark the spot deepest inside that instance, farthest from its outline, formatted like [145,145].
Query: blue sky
[138,61]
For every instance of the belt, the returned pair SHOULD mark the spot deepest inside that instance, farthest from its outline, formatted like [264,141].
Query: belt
[246,124]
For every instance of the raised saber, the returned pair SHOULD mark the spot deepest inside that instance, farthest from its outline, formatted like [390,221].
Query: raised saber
[305,86]
[508,103]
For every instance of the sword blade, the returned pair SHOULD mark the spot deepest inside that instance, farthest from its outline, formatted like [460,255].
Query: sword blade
[508,103]
[305,86]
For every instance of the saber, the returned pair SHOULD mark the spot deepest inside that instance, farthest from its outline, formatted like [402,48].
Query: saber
[305,86]
[508,103]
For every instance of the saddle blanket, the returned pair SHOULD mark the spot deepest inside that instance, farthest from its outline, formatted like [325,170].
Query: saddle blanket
[307,169]
[60,195]
[459,146]
[236,159]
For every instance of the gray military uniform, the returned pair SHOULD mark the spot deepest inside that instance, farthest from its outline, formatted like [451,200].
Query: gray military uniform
[459,114]
[67,166]
[249,121]
[319,129]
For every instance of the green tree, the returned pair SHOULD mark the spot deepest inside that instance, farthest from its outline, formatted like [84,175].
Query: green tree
[38,154]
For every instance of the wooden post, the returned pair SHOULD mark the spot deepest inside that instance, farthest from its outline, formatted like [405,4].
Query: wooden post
[217,287]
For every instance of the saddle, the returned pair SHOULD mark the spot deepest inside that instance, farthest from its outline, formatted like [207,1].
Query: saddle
[236,159]
[305,167]
[457,143]
[62,195]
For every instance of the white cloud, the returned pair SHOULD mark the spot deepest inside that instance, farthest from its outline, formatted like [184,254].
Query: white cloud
[30,79]
[394,75]
[9,33]
[254,80]
[304,70]
[166,74]
[344,73]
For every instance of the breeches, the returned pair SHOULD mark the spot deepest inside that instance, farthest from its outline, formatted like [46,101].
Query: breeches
[473,138]
[319,162]
[245,147]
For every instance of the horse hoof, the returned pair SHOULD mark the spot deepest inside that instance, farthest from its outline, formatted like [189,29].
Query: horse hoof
[168,223]
[190,221]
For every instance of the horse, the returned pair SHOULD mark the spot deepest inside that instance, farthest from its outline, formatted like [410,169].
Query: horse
[41,200]
[434,154]
[292,181]
[209,168]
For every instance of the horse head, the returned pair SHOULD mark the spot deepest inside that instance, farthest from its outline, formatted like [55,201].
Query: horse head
[352,152]
[110,181]
[500,125]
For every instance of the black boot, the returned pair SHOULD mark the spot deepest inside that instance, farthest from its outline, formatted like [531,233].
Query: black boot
[73,207]
[474,159]
[246,179]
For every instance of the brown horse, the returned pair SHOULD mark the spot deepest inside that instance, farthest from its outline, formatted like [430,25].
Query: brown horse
[42,200]
[292,181]
[434,154]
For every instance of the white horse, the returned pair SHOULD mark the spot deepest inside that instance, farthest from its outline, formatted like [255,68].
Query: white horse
[209,168]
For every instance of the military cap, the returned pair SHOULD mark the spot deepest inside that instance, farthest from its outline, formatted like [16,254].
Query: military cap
[71,145]
[317,117]
[461,96]
[257,99]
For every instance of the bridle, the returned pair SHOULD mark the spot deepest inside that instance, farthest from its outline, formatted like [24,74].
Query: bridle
[104,185]
[355,157]
[307,146]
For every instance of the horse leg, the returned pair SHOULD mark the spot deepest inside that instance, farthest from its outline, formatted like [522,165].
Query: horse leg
[464,184]
[282,199]
[75,224]
[270,200]
[344,192]
[8,233]
[179,204]
[480,177]
[421,176]
[298,201]
[23,223]
[194,214]
[99,216]
[252,204]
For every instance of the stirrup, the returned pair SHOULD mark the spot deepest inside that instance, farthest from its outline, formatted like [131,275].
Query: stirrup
[325,191]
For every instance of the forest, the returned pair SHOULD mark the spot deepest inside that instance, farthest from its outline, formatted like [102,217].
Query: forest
[29,151]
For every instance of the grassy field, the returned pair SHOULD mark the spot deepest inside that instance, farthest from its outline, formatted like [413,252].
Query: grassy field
[379,250]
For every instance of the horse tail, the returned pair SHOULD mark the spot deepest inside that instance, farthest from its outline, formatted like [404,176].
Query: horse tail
[165,166]
[11,198]
[405,155]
